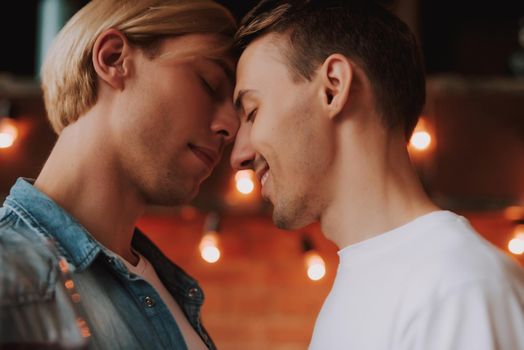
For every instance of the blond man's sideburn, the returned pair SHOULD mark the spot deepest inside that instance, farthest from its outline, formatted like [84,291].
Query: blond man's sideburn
[69,80]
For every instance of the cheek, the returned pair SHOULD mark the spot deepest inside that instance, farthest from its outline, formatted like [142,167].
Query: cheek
[182,95]
[258,135]
[190,103]
[309,145]
[182,115]
[271,126]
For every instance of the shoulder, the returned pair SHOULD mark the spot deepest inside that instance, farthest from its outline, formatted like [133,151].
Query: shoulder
[463,293]
[475,315]
[456,253]
[456,259]
[34,305]
[28,268]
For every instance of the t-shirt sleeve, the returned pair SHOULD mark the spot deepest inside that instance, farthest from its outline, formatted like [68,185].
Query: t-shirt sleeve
[480,316]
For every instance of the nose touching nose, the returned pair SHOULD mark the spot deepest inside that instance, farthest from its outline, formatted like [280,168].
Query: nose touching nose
[243,154]
[227,122]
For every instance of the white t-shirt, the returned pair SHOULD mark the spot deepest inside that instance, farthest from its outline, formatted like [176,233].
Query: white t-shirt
[145,270]
[432,284]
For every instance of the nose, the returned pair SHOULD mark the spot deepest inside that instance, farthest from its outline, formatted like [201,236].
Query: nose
[226,122]
[243,154]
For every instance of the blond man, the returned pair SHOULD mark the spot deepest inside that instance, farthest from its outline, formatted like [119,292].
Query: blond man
[139,93]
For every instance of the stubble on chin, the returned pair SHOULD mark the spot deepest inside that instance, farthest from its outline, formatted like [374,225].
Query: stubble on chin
[293,213]
[167,192]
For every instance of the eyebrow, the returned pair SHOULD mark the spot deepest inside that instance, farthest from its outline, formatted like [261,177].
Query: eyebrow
[227,70]
[240,96]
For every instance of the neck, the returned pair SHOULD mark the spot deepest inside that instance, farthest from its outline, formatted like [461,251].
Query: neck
[82,176]
[375,191]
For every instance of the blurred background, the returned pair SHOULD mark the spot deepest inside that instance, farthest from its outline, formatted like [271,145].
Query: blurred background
[264,287]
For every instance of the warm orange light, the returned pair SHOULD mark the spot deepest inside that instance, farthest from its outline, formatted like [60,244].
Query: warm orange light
[209,250]
[8,133]
[84,328]
[244,181]
[64,267]
[316,268]
[516,245]
[514,213]
[188,212]
[69,284]
[421,138]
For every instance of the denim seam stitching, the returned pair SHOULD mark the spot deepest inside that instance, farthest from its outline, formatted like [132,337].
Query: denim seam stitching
[33,223]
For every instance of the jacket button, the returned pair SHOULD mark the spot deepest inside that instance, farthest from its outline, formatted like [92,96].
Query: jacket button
[192,292]
[150,302]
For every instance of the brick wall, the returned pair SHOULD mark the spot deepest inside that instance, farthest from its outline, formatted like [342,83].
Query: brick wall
[258,295]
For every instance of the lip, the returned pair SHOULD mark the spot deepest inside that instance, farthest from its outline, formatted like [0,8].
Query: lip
[207,155]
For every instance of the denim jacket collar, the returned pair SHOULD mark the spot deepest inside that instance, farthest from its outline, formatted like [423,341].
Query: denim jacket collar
[46,217]
[80,249]
[43,217]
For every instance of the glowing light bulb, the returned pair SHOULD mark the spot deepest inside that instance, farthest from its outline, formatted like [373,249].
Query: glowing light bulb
[516,245]
[421,140]
[245,186]
[210,254]
[209,248]
[316,268]
[244,181]
[8,133]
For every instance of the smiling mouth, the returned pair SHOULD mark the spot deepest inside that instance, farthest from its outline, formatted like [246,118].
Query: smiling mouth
[263,174]
[204,155]
[264,177]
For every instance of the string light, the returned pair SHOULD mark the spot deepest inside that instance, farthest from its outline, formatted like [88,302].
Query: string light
[209,248]
[8,127]
[315,265]
[421,138]
[514,213]
[316,268]
[516,244]
[209,244]
[8,133]
[245,181]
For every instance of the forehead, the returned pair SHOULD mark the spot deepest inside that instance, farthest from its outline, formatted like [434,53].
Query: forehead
[212,46]
[262,63]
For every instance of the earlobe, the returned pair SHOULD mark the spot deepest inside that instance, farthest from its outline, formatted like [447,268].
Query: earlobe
[337,76]
[110,58]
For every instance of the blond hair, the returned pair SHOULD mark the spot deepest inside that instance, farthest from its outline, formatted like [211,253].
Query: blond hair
[69,80]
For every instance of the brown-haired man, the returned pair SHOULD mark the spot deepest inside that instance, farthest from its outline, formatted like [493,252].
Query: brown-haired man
[329,92]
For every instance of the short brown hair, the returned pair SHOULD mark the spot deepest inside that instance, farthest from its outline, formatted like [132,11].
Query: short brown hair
[362,30]
[69,80]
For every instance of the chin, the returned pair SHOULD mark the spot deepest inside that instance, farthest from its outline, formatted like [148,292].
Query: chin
[290,221]
[172,195]
[295,213]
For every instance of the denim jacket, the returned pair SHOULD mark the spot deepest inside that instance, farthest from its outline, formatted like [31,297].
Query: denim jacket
[60,288]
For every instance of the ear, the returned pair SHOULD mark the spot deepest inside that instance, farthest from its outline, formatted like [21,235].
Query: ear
[111,54]
[336,74]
